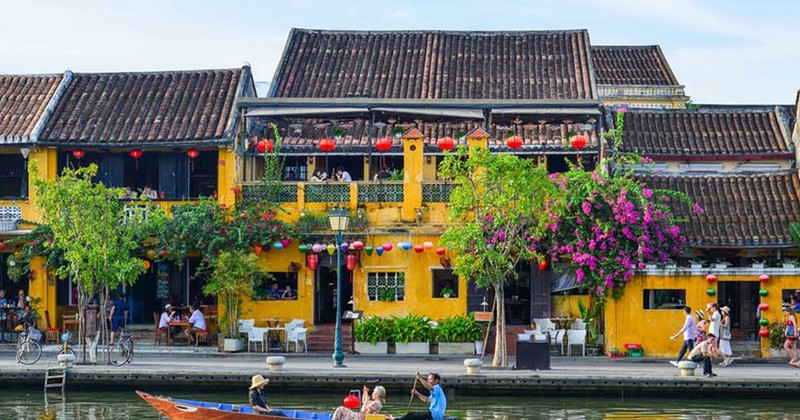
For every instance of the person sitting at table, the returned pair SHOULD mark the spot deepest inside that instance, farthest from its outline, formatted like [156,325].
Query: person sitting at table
[274,292]
[166,317]
[197,322]
[288,293]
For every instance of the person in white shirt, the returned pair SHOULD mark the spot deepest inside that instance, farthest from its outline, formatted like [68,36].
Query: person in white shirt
[319,176]
[716,319]
[197,322]
[689,334]
[704,351]
[343,175]
[167,316]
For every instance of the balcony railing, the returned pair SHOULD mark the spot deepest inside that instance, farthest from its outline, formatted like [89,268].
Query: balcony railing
[327,192]
[10,217]
[436,191]
[385,192]
[272,192]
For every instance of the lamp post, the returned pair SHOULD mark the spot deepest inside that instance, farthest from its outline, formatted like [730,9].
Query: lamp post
[339,219]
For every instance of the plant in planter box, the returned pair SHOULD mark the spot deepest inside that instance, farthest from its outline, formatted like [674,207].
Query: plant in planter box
[447,292]
[398,131]
[458,329]
[412,328]
[373,329]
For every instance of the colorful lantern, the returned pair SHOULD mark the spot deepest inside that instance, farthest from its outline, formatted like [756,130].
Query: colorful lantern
[763,292]
[763,278]
[441,250]
[514,142]
[193,154]
[3,246]
[387,246]
[151,254]
[419,248]
[763,307]
[264,146]
[311,261]
[763,333]
[351,401]
[711,278]
[78,154]
[763,322]
[578,141]
[136,154]
[542,265]
[317,248]
[379,250]
[258,249]
[711,291]
[428,245]
[445,143]
[352,261]
[285,242]
[369,249]
[327,145]
[146,264]
[405,246]
[357,245]
[277,245]
[345,247]
[383,144]
[303,248]
[331,249]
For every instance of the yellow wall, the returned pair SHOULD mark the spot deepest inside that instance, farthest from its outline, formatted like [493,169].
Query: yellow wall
[567,306]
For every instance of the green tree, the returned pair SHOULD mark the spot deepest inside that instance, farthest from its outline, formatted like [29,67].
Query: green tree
[498,208]
[85,218]
[233,278]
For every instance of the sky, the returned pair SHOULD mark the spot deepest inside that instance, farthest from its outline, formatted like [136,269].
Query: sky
[723,51]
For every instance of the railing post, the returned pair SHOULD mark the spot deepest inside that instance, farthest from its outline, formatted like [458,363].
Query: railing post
[412,168]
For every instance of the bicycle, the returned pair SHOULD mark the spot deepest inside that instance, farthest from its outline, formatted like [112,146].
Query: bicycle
[122,351]
[66,349]
[28,350]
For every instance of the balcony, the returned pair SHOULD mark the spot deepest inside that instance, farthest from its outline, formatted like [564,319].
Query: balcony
[10,217]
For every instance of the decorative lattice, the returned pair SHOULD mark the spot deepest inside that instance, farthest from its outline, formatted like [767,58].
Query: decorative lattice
[327,193]
[381,193]
[10,217]
[135,212]
[280,193]
[378,282]
[436,193]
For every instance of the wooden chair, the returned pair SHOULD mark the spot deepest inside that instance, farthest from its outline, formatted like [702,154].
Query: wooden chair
[52,333]
[158,332]
[199,336]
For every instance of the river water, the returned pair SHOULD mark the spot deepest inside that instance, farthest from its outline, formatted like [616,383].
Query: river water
[94,405]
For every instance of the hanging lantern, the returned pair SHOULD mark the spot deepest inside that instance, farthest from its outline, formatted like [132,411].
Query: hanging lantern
[303,248]
[136,154]
[387,246]
[384,144]
[543,265]
[711,278]
[763,322]
[379,250]
[357,245]
[405,246]
[257,249]
[763,278]
[351,401]
[264,145]
[151,254]
[3,246]
[711,291]
[285,242]
[277,245]
[146,264]
[578,141]
[193,154]
[445,143]
[763,292]
[763,307]
[369,249]
[419,248]
[428,245]
[331,249]
[763,333]
[514,142]
[351,261]
[311,261]
[345,247]
[78,154]
[441,250]
[317,248]
[327,145]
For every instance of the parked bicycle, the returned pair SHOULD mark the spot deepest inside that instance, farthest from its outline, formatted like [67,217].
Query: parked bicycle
[28,350]
[66,349]
[122,350]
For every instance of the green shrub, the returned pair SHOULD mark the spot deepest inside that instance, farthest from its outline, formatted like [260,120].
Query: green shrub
[387,295]
[373,329]
[412,328]
[459,329]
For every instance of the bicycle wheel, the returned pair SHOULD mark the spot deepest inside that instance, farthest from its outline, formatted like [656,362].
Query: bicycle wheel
[28,352]
[119,354]
[69,351]
[129,353]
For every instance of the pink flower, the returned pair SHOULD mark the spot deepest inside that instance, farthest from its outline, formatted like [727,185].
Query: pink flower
[647,193]
[697,209]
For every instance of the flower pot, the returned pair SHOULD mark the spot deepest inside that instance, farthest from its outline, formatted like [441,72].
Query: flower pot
[412,348]
[758,266]
[695,266]
[787,265]
[365,347]
[457,348]
[478,346]
[446,295]
[233,344]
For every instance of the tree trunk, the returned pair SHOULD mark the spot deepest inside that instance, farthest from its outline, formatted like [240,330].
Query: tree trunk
[500,349]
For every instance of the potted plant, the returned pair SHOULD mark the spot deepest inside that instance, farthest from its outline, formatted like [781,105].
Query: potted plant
[461,135]
[447,292]
[372,335]
[695,264]
[458,334]
[412,334]
[339,133]
[232,279]
[789,263]
[758,264]
[398,131]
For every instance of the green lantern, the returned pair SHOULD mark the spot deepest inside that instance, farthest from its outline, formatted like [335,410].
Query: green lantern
[763,322]
[369,249]
[763,292]
[711,291]
[303,248]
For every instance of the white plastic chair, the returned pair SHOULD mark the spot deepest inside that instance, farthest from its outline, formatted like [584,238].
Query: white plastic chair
[576,337]
[256,335]
[536,335]
[545,325]
[578,324]
[295,323]
[245,325]
[523,337]
[297,335]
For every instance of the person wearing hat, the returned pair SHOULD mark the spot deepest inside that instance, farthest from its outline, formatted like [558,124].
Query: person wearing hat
[689,334]
[167,316]
[370,404]
[701,325]
[725,337]
[256,396]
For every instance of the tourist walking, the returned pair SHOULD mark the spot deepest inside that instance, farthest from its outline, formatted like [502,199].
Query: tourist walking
[790,345]
[689,334]
[700,328]
[704,352]
[715,319]
[725,337]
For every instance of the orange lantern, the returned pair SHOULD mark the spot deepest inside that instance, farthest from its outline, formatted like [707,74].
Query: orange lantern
[193,154]
[78,154]
[258,249]
[146,264]
[136,154]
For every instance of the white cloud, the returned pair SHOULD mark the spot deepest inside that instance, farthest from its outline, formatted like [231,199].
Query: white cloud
[400,15]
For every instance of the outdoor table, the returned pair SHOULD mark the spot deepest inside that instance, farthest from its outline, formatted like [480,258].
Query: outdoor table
[275,332]
[183,324]
[561,322]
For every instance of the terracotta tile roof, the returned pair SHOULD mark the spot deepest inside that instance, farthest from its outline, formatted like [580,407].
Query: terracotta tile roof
[145,108]
[634,65]
[435,65]
[740,210]
[728,131]
[23,100]
[304,137]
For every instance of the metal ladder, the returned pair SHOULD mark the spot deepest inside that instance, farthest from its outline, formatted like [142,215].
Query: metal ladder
[55,377]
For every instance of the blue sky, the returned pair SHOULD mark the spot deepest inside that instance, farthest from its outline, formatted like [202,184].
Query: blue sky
[743,52]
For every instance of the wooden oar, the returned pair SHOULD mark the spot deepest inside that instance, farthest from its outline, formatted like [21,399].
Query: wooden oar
[411,401]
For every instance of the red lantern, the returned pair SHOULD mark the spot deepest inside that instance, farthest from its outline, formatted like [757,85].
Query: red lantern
[136,154]
[514,142]
[327,145]
[258,249]
[763,333]
[3,246]
[711,278]
[763,278]
[78,154]
[542,265]
[351,401]
[352,261]
[419,248]
[264,146]
[357,245]
[384,144]
[193,153]
[446,143]
[312,260]
[441,250]
[578,141]
[763,307]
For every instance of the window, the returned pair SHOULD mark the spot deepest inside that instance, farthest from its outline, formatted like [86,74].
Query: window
[13,176]
[444,282]
[386,286]
[275,286]
[203,175]
[664,298]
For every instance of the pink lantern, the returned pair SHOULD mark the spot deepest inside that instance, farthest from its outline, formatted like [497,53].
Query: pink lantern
[317,248]
[428,245]
[387,246]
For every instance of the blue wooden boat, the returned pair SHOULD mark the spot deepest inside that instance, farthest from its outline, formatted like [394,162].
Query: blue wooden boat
[180,409]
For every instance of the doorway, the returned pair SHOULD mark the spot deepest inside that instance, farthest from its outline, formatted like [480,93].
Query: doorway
[742,298]
[326,297]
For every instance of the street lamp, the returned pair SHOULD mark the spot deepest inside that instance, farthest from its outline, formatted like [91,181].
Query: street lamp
[339,219]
